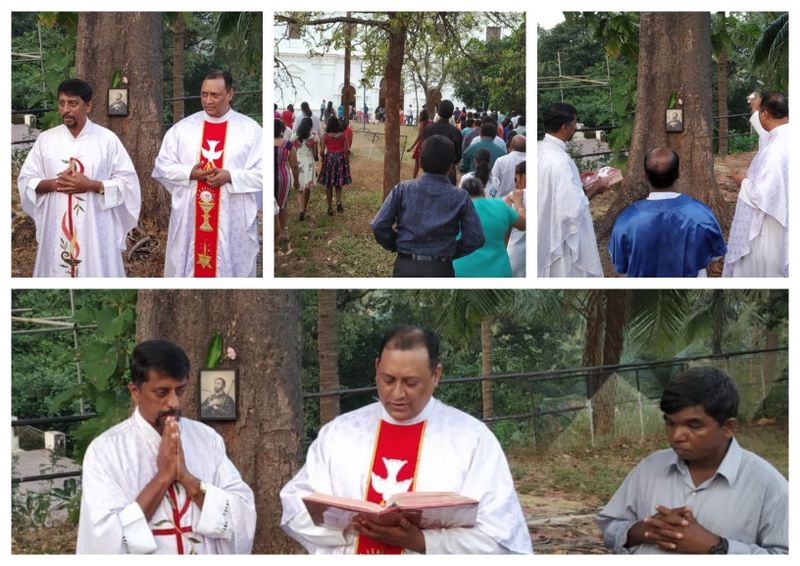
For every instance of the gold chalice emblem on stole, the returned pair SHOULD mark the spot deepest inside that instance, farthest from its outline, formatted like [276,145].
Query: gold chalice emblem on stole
[207,205]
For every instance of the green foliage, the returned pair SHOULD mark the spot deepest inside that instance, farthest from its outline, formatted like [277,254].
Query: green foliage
[742,144]
[492,75]
[34,85]
[35,509]
[241,35]
[214,352]
[103,357]
[771,52]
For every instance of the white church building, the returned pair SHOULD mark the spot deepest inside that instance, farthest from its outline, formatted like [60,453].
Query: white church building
[318,78]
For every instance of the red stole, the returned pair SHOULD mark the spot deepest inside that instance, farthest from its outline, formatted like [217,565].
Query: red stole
[177,530]
[206,208]
[392,442]
[70,248]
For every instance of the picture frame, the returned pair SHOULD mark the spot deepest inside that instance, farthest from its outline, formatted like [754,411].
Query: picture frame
[674,120]
[219,395]
[118,102]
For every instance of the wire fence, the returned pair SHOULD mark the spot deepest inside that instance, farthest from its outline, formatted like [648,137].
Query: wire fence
[554,409]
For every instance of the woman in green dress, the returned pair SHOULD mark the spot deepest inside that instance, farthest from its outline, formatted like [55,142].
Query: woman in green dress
[497,219]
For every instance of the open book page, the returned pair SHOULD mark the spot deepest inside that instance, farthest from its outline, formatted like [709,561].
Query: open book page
[426,510]
[614,176]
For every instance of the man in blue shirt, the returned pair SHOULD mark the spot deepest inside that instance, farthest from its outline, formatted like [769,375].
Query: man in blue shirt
[668,234]
[705,495]
[421,219]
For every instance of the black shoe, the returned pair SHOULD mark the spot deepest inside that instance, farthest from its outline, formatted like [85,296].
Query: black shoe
[302,215]
[330,212]
[339,207]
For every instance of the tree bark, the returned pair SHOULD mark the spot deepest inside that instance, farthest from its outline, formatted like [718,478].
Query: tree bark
[348,44]
[486,368]
[131,43]
[264,327]
[674,57]
[607,314]
[178,34]
[328,355]
[396,33]
[722,93]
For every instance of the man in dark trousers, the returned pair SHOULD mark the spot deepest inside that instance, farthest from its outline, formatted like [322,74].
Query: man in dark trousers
[421,219]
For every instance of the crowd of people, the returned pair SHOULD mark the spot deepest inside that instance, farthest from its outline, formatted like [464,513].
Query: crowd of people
[667,234]
[468,205]
[300,143]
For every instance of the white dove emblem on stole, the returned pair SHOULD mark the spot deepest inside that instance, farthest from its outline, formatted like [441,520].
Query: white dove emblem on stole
[211,154]
[389,485]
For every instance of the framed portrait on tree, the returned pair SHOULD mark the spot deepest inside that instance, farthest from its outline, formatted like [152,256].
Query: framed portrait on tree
[674,120]
[219,395]
[118,102]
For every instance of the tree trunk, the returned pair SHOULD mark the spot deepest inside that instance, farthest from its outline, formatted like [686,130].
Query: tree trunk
[264,327]
[718,320]
[486,368]
[396,31]
[177,68]
[674,57]
[348,44]
[328,355]
[722,95]
[131,43]
[605,339]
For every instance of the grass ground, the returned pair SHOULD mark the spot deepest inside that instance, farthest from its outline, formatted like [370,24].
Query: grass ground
[343,245]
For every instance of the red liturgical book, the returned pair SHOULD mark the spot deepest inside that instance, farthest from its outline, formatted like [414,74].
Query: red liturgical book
[427,510]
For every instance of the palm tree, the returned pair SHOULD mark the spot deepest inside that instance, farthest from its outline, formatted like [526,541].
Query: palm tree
[462,312]
[771,51]
[242,33]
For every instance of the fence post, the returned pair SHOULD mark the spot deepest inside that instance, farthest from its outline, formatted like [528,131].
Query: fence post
[591,420]
[641,416]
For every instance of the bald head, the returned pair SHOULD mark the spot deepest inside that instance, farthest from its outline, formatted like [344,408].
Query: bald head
[662,166]
[518,143]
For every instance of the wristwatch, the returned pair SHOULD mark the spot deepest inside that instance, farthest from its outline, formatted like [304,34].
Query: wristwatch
[720,548]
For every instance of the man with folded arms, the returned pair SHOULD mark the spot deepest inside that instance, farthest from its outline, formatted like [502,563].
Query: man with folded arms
[437,448]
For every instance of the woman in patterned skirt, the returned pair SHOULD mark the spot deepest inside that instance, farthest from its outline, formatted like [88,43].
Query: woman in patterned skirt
[285,173]
[335,170]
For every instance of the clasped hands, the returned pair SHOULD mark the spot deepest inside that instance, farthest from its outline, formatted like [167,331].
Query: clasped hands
[214,177]
[674,530]
[72,182]
[405,534]
[170,462]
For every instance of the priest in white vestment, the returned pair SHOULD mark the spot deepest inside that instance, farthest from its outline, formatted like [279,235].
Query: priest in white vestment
[754,100]
[158,483]
[444,450]
[567,246]
[79,186]
[235,242]
[758,244]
